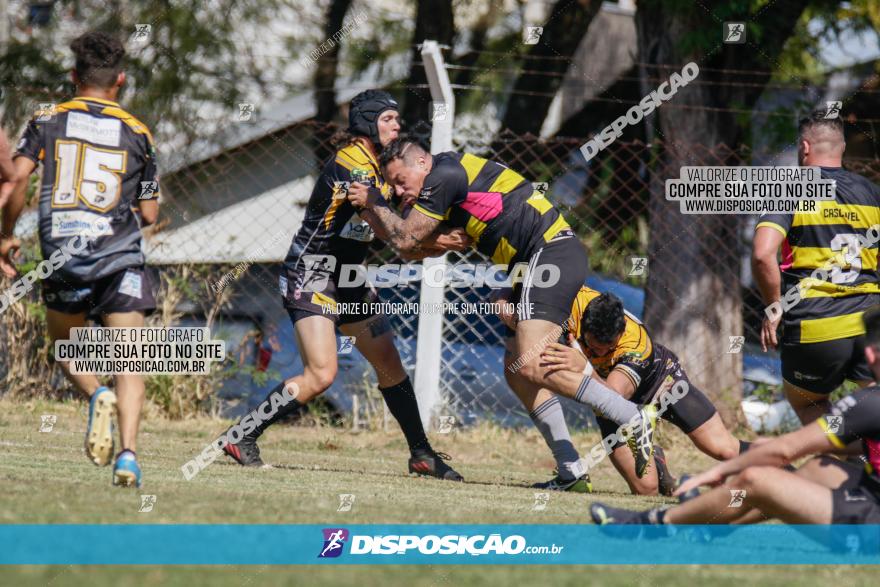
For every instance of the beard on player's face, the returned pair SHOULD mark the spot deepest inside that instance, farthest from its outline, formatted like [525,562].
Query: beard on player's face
[406,180]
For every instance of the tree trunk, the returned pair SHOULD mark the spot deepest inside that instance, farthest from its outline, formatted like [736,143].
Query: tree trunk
[325,73]
[434,21]
[325,80]
[563,31]
[693,299]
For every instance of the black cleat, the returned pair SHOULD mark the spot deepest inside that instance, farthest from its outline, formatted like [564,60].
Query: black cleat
[430,464]
[666,483]
[246,452]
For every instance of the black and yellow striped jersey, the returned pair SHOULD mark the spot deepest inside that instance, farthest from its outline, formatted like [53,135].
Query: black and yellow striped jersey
[496,206]
[857,417]
[331,225]
[98,161]
[634,355]
[828,237]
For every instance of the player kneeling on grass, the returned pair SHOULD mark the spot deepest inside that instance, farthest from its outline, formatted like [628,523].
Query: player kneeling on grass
[331,237]
[825,490]
[622,354]
[96,159]
[512,223]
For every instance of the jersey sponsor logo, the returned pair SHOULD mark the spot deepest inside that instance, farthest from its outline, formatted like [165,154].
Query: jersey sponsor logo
[75,222]
[854,495]
[131,285]
[806,377]
[358,230]
[340,189]
[841,214]
[100,131]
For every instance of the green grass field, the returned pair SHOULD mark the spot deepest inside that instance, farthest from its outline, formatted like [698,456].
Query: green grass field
[46,478]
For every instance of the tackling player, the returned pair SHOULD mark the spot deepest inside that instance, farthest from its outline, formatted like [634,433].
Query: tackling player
[333,235]
[95,157]
[510,222]
[821,339]
[622,353]
[825,490]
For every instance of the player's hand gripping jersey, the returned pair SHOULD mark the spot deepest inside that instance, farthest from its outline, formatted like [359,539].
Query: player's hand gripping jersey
[332,234]
[98,161]
[331,225]
[830,309]
[497,207]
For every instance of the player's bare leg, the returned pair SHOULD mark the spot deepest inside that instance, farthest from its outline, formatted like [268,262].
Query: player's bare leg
[375,341]
[59,326]
[807,405]
[623,460]
[99,438]
[715,440]
[546,413]
[776,493]
[529,394]
[316,340]
[130,389]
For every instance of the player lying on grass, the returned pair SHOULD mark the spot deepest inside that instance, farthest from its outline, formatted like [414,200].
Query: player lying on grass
[822,341]
[95,157]
[510,222]
[825,490]
[331,235]
[625,358]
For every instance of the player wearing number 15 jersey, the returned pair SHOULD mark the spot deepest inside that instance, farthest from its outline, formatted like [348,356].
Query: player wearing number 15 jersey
[98,188]
[822,252]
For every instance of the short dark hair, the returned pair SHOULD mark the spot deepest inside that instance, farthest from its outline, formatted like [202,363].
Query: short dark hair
[397,148]
[604,318]
[818,119]
[98,58]
[871,318]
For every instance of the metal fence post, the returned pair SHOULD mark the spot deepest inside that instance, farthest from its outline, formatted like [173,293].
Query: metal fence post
[430,332]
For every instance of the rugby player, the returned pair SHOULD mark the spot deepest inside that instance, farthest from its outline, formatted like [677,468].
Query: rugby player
[623,355]
[95,158]
[510,222]
[821,340]
[332,235]
[825,490]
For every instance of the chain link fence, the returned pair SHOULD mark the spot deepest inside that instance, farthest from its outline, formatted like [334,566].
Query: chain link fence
[232,211]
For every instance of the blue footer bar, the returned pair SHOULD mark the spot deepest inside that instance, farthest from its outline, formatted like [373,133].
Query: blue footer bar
[211,544]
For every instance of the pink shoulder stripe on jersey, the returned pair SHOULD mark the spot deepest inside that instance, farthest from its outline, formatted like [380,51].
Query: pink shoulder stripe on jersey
[787,259]
[873,454]
[483,206]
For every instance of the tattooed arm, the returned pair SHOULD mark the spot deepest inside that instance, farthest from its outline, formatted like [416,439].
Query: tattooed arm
[442,240]
[406,235]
